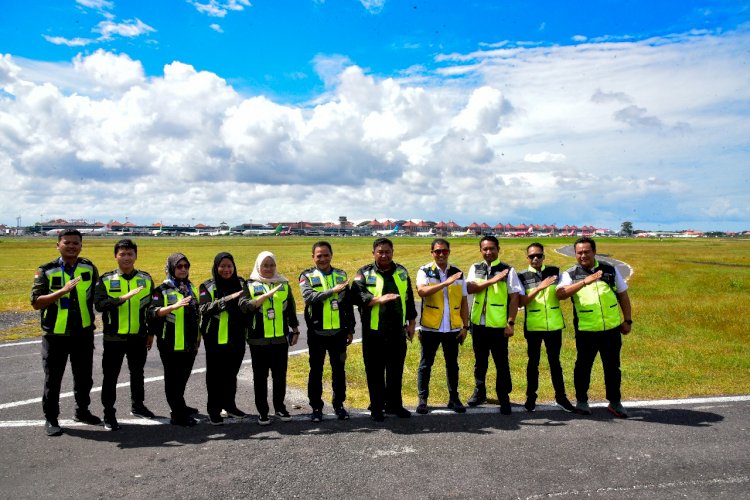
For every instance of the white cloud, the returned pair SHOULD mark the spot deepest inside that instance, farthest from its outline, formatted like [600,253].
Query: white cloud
[216,28]
[130,28]
[217,8]
[373,6]
[96,4]
[544,157]
[110,70]
[70,42]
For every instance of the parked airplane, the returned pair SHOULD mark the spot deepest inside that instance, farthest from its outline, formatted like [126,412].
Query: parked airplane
[387,232]
[528,232]
[99,231]
[426,234]
[468,232]
[263,232]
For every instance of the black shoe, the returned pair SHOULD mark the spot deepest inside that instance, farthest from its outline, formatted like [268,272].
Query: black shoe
[341,413]
[284,416]
[86,417]
[456,405]
[317,416]
[191,411]
[52,428]
[234,413]
[264,420]
[110,423]
[399,412]
[186,421]
[141,411]
[377,416]
[530,404]
[215,419]
[477,398]
[422,407]
[505,408]
[565,404]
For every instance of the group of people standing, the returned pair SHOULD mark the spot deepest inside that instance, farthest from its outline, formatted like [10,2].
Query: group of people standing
[227,312]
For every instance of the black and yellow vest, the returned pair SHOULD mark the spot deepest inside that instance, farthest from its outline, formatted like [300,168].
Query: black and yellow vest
[492,302]
[595,306]
[374,283]
[543,313]
[175,331]
[55,317]
[267,324]
[433,305]
[323,316]
[130,317]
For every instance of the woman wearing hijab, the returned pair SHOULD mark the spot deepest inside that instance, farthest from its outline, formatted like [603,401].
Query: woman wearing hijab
[223,326]
[273,327]
[173,315]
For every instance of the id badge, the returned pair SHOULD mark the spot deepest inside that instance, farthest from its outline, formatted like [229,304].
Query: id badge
[334,305]
[271,313]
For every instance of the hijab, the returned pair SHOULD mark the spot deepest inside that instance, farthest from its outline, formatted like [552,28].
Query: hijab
[256,276]
[229,285]
[183,285]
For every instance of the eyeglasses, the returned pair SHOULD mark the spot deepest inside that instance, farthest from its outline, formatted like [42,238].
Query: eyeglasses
[441,251]
[536,256]
[182,266]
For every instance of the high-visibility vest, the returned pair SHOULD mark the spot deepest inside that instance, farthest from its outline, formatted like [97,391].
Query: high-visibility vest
[272,309]
[433,305]
[595,306]
[177,317]
[222,336]
[493,300]
[543,313]
[374,282]
[56,316]
[128,317]
[323,313]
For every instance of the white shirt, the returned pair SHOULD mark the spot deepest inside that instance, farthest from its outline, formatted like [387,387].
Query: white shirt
[513,283]
[445,323]
[620,283]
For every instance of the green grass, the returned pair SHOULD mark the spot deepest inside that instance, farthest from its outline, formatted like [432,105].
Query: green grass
[689,297]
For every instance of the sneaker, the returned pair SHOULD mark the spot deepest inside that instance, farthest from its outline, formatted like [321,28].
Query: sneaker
[284,416]
[477,398]
[456,405]
[505,408]
[400,412]
[264,420]
[582,408]
[52,428]
[86,417]
[233,413]
[377,416]
[564,403]
[110,423]
[530,404]
[191,411]
[341,413]
[422,408]
[617,410]
[215,419]
[141,411]
[186,421]
[317,416]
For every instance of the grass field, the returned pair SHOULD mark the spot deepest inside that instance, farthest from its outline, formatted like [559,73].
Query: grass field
[689,300]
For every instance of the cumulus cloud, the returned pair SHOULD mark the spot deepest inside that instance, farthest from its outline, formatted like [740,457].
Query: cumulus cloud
[544,157]
[110,70]
[217,8]
[130,28]
[216,28]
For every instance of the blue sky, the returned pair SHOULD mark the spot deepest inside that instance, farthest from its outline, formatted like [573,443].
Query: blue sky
[533,112]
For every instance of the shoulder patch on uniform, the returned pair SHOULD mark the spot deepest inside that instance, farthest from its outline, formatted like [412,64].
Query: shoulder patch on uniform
[315,281]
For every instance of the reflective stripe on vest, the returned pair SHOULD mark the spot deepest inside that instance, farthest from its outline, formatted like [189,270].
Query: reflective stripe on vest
[81,290]
[272,327]
[400,277]
[543,313]
[492,301]
[223,335]
[331,319]
[596,305]
[128,313]
[433,305]
[176,317]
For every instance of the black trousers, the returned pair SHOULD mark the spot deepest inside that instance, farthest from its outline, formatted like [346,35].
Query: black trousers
[383,352]
[56,349]
[177,368]
[607,344]
[335,346]
[430,342]
[271,357]
[552,343]
[223,363]
[486,341]
[134,347]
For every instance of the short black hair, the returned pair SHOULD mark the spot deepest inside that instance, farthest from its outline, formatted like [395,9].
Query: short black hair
[321,243]
[586,239]
[535,244]
[69,232]
[381,241]
[126,244]
[440,241]
[491,238]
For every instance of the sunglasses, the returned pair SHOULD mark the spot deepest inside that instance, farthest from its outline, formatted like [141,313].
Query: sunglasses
[182,266]
[536,256]
[441,251]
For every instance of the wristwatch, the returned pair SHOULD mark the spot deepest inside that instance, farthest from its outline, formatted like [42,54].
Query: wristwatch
[629,321]
[512,323]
